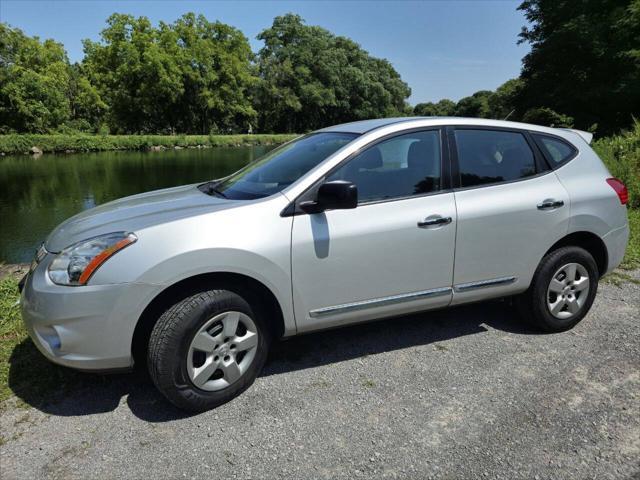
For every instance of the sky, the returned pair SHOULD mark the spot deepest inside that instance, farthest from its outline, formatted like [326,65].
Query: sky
[442,49]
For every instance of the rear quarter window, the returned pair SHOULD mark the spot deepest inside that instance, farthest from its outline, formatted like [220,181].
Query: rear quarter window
[555,150]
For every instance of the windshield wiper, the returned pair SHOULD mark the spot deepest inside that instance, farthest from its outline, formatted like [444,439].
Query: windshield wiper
[210,188]
[217,192]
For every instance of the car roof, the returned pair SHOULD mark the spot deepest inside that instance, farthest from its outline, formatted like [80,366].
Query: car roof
[364,126]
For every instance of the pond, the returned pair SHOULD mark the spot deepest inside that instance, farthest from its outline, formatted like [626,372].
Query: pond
[37,193]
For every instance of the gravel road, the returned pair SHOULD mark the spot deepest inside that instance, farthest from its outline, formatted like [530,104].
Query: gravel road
[463,393]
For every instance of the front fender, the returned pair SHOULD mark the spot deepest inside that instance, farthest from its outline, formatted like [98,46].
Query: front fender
[226,260]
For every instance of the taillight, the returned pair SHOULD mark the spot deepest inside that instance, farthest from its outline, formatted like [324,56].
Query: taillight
[620,188]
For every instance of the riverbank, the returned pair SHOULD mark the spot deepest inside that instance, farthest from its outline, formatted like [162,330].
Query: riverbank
[35,144]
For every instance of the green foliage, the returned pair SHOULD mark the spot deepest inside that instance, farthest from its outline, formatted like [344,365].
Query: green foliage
[34,79]
[547,117]
[12,331]
[310,78]
[444,108]
[482,104]
[189,76]
[584,60]
[477,105]
[15,143]
[502,103]
[621,154]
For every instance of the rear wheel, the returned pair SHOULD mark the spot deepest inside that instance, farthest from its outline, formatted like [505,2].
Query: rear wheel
[207,349]
[562,290]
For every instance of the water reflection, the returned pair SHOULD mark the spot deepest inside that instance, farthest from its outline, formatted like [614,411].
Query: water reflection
[38,193]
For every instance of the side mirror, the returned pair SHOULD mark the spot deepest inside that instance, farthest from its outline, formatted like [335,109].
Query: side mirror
[336,195]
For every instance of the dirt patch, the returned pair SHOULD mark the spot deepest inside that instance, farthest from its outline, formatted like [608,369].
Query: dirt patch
[16,270]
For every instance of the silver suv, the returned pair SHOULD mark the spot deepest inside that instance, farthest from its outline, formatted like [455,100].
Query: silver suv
[351,223]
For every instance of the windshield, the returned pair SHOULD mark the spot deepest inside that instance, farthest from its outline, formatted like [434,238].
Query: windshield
[281,167]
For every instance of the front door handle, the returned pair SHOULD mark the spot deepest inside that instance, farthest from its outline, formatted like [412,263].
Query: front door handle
[550,204]
[432,221]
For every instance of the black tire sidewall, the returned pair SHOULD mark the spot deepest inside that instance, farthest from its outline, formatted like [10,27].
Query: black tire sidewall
[538,292]
[168,362]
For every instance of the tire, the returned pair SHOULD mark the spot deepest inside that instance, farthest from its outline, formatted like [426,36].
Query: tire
[198,374]
[556,307]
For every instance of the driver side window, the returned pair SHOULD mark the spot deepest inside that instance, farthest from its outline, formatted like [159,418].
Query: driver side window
[401,166]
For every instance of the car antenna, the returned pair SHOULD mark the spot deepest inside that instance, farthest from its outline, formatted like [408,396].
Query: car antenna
[509,114]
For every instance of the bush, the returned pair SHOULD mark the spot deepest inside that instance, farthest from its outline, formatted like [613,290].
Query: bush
[18,143]
[621,154]
[547,117]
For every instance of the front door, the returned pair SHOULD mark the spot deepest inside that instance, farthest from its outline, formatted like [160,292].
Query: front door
[390,255]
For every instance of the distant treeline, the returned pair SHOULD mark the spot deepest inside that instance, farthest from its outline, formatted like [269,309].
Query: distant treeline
[194,76]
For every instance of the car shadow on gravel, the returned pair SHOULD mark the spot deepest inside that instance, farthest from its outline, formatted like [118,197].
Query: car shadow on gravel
[63,392]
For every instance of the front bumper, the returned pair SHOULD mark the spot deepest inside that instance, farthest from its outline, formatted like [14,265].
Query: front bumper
[87,328]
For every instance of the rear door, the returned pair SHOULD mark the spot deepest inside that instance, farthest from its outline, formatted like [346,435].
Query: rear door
[511,209]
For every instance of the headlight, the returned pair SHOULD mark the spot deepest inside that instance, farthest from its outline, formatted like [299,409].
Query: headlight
[75,264]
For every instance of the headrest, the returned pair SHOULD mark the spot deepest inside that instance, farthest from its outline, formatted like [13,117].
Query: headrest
[421,152]
[511,155]
[370,159]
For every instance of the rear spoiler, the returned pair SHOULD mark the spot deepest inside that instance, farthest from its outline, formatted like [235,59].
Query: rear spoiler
[586,136]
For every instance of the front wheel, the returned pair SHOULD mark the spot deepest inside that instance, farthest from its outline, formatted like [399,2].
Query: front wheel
[562,290]
[207,349]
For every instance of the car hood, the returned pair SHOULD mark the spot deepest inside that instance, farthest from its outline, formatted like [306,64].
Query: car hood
[135,212]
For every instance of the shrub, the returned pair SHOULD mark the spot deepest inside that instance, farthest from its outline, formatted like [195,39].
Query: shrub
[621,154]
[17,143]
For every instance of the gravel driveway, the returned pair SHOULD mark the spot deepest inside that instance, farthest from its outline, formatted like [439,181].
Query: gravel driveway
[463,393]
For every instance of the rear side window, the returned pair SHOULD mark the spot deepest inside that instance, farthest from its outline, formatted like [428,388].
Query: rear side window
[556,151]
[492,156]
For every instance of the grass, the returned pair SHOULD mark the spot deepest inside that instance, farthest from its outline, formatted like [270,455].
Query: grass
[11,330]
[22,143]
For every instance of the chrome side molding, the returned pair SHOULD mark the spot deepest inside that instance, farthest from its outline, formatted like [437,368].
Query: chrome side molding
[463,287]
[379,302]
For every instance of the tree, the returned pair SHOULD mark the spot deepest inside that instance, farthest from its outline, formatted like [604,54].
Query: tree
[477,105]
[444,108]
[86,104]
[217,77]
[189,76]
[502,103]
[547,117]
[310,78]
[584,60]
[34,79]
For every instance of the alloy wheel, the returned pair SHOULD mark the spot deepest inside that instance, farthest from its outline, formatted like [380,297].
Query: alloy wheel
[222,350]
[568,291]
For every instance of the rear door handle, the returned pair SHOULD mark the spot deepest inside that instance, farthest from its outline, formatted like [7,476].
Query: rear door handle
[432,221]
[550,204]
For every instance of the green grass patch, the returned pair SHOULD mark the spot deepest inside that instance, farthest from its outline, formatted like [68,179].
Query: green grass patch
[12,331]
[58,143]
